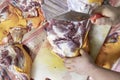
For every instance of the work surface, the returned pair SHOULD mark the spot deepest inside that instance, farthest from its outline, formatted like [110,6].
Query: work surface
[49,65]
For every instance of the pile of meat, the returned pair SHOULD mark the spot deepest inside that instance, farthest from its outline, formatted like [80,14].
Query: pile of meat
[19,14]
[17,17]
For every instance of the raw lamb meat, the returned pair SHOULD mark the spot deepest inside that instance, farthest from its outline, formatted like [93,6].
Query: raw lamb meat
[66,37]
[12,63]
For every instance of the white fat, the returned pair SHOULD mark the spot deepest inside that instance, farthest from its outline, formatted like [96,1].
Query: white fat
[18,75]
[78,32]
[58,51]
[3,16]
[64,45]
[51,38]
[65,48]
[12,53]
[58,32]
[80,5]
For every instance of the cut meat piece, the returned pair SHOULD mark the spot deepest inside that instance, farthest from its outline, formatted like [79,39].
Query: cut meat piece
[11,56]
[13,59]
[66,37]
[28,7]
[13,16]
[11,74]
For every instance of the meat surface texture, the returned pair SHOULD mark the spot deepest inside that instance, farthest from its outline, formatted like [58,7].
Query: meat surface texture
[66,37]
[12,60]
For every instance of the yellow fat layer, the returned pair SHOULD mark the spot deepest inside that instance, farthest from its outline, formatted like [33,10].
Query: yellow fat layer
[109,53]
[28,61]
[14,19]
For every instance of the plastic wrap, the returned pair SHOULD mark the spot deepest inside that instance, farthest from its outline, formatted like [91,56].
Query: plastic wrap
[83,6]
